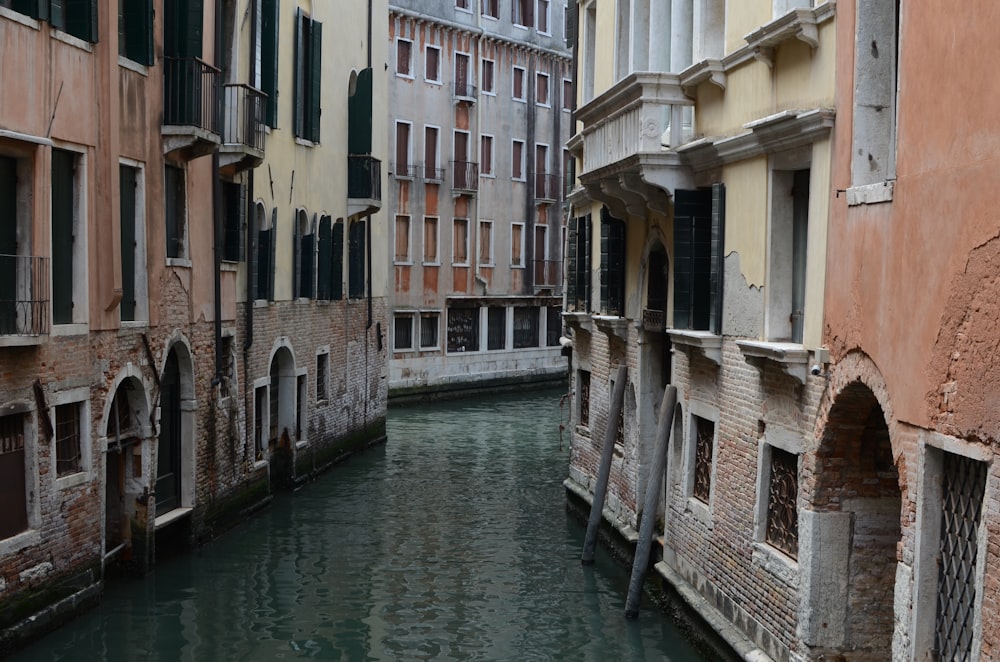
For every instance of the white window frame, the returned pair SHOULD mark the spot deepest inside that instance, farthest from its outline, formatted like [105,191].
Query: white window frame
[428,48]
[185,259]
[420,329]
[521,263]
[409,148]
[141,256]
[487,260]
[32,502]
[492,160]
[81,305]
[523,98]
[482,76]
[437,151]
[694,506]
[523,176]
[467,8]
[437,237]
[487,16]
[410,63]
[548,16]
[408,260]
[765,555]
[566,100]
[77,396]
[470,74]
[412,316]
[323,355]
[468,235]
[548,89]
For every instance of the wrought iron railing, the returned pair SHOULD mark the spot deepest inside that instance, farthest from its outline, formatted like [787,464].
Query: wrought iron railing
[548,273]
[244,116]
[465,90]
[654,320]
[24,295]
[406,170]
[433,173]
[466,175]
[364,177]
[190,93]
[546,186]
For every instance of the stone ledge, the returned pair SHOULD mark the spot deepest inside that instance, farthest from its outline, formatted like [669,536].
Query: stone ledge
[706,342]
[791,358]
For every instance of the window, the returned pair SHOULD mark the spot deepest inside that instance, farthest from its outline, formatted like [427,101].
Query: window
[782,529]
[463,83]
[589,51]
[583,386]
[131,193]
[67,438]
[269,59]
[356,248]
[430,240]
[13,467]
[302,410]
[517,244]
[545,188]
[521,12]
[308,60]
[567,94]
[431,147]
[404,58]
[699,224]
[228,384]
[234,214]
[704,444]
[542,15]
[69,237]
[403,331]
[517,160]
[525,327]
[578,264]
[322,376]
[460,241]
[265,252]
[462,4]
[542,89]
[402,239]
[496,327]
[135,30]
[305,254]
[517,90]
[76,18]
[260,421]
[486,77]
[432,62]
[786,278]
[553,326]
[175,198]
[465,172]
[491,8]
[486,243]
[486,155]
[612,264]
[463,329]
[429,330]
[328,277]
[403,166]
[18,286]
[876,80]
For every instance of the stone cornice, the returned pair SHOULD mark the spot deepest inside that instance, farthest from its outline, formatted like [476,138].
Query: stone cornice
[637,87]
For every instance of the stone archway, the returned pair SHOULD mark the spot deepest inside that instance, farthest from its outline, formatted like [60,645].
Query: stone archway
[282,408]
[174,487]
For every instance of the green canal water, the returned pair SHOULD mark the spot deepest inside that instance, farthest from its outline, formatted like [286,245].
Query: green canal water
[449,542]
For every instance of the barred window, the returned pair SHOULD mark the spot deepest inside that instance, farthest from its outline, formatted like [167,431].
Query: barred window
[704,430]
[429,330]
[782,514]
[14,514]
[525,327]
[585,398]
[68,439]
[463,329]
[403,332]
[496,332]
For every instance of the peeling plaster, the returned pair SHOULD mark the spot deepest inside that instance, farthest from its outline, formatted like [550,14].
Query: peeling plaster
[742,304]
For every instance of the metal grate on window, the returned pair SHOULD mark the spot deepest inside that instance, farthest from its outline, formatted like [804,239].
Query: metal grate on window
[962,490]
[704,441]
[429,330]
[67,439]
[463,329]
[782,513]
[584,398]
[525,327]
[403,332]
[496,332]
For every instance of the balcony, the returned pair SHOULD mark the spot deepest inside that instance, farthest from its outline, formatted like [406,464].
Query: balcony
[364,184]
[465,91]
[465,177]
[547,187]
[630,134]
[405,170]
[190,103]
[547,275]
[243,128]
[431,173]
[24,300]
[654,321]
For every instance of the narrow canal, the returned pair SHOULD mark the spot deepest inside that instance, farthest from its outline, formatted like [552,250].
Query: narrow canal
[449,542]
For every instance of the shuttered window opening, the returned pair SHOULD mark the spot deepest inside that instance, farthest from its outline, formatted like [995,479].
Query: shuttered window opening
[612,264]
[14,514]
[553,326]
[305,254]
[699,225]
[127,182]
[269,58]
[175,216]
[265,256]
[135,30]
[578,264]
[782,530]
[496,328]
[68,457]
[324,269]
[234,214]
[322,376]
[337,262]
[63,235]
[76,17]
[356,260]
[584,388]
[308,59]
[525,327]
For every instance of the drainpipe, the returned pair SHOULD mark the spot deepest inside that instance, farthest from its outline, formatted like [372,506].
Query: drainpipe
[368,220]
[640,563]
[217,205]
[477,60]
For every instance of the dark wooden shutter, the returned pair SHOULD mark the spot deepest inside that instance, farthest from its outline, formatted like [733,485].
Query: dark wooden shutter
[33,8]
[272,263]
[81,19]
[315,78]
[301,39]
[57,13]
[356,260]
[583,285]
[126,184]
[612,264]
[337,262]
[234,218]
[571,264]
[62,236]
[359,115]
[571,24]
[717,255]
[324,276]
[692,259]
[8,245]
[194,21]
[139,31]
[264,240]
[269,58]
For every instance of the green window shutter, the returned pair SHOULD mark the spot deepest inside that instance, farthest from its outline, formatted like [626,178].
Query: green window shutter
[138,28]
[718,256]
[194,21]
[356,260]
[263,263]
[359,115]
[57,13]
[571,264]
[612,264]
[301,39]
[315,68]
[33,8]
[583,284]
[306,265]
[62,236]
[337,262]
[324,276]
[272,259]
[126,185]
[269,58]
[234,213]
[693,259]
[81,19]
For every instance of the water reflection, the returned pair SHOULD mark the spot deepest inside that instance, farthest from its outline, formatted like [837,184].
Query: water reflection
[450,542]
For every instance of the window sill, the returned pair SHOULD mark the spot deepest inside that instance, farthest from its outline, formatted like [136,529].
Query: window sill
[170,517]
[613,326]
[261,303]
[133,324]
[229,265]
[17,17]
[402,75]
[870,194]
[70,40]
[304,142]
[776,563]
[706,342]
[19,541]
[179,262]
[699,510]
[132,65]
[71,480]
[301,443]
[81,329]
[430,264]
[403,263]
[791,358]
[579,319]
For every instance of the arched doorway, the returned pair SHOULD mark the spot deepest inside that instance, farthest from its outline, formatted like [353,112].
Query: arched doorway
[282,419]
[124,474]
[175,447]
[856,476]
